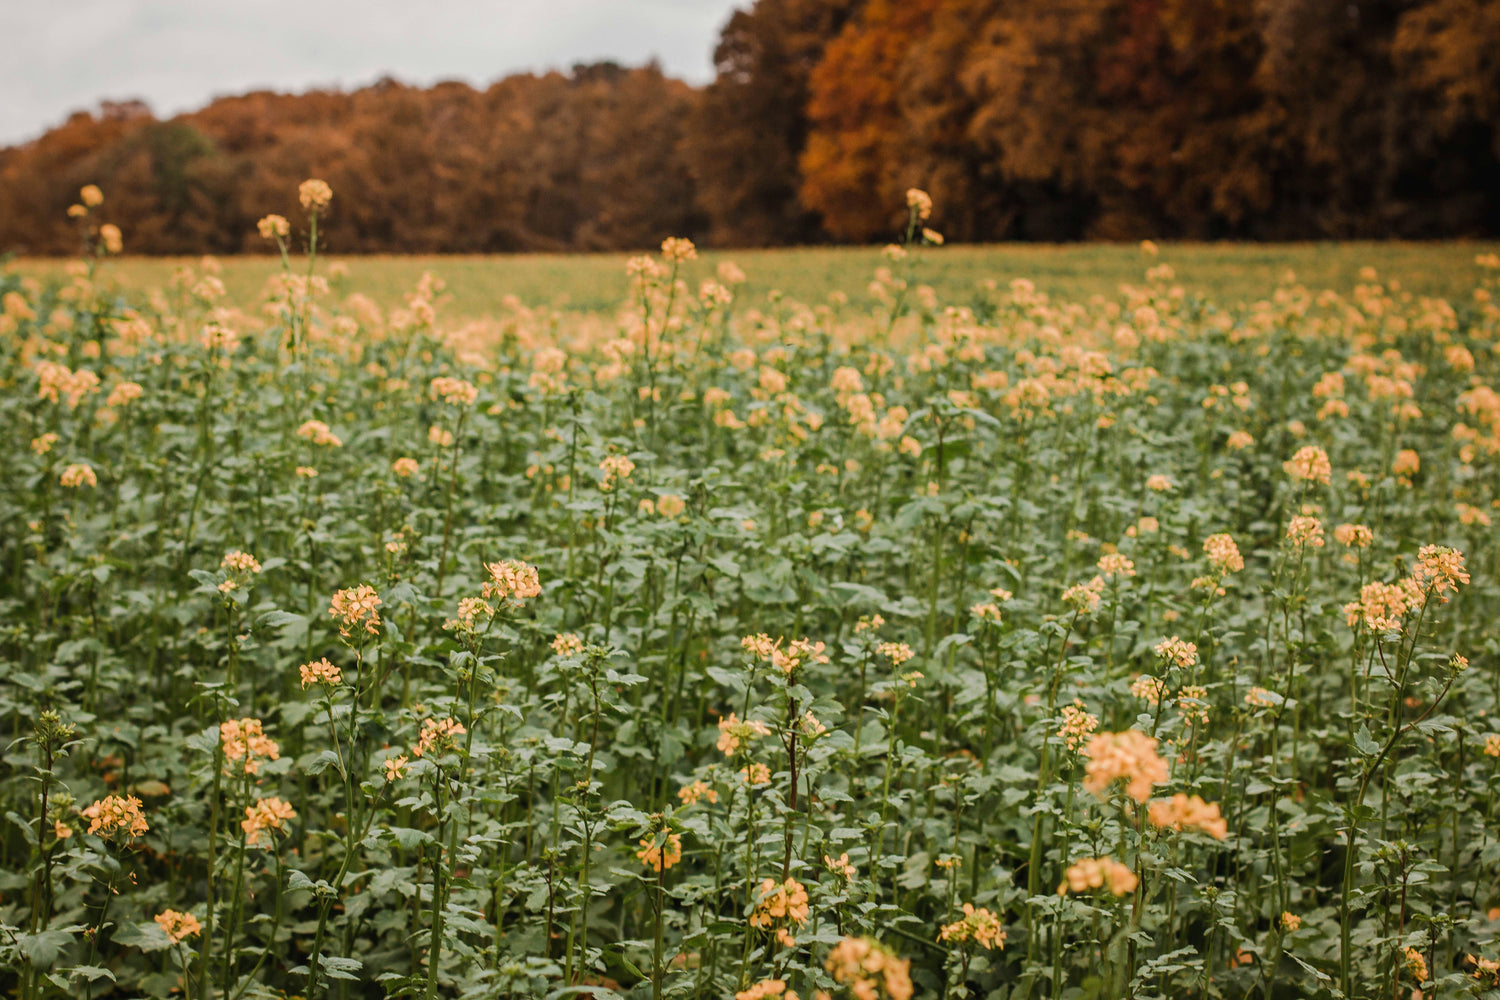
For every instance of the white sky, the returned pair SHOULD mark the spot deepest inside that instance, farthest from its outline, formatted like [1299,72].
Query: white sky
[66,55]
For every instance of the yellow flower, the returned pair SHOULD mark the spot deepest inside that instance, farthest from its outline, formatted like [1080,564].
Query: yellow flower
[116,814]
[178,925]
[1084,598]
[239,562]
[1129,756]
[677,249]
[314,195]
[318,433]
[1182,812]
[109,236]
[91,196]
[1406,464]
[1416,965]
[766,989]
[1149,689]
[405,468]
[1305,532]
[1097,873]
[780,907]
[567,644]
[1223,554]
[919,202]
[273,227]
[1309,465]
[733,733]
[869,970]
[354,608]
[690,794]
[755,774]
[615,468]
[1078,724]
[1439,568]
[1180,653]
[1381,605]
[1290,921]
[78,474]
[246,745]
[512,581]
[123,392]
[841,866]
[978,925]
[1354,536]
[663,856]
[269,814]
[454,390]
[438,735]
[320,672]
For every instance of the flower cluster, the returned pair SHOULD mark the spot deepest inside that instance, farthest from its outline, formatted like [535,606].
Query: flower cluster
[1097,873]
[471,611]
[57,381]
[437,737]
[781,907]
[453,390]
[1439,569]
[246,745]
[314,195]
[695,792]
[178,926]
[1183,812]
[660,856]
[320,672]
[78,474]
[734,733]
[1084,598]
[765,989]
[319,433]
[1305,532]
[869,969]
[511,582]
[1149,689]
[1078,724]
[978,925]
[268,815]
[1354,536]
[1223,555]
[240,563]
[1309,465]
[1129,756]
[1178,652]
[116,814]
[355,610]
[615,468]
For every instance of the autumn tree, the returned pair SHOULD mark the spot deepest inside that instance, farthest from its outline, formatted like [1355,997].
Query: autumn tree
[750,124]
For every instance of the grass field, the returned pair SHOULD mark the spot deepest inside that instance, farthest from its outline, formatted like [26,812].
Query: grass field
[1140,645]
[1225,272]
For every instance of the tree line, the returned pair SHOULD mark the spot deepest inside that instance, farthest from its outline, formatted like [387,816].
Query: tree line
[1025,119]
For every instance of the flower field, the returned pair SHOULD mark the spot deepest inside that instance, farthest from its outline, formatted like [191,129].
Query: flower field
[1020,647]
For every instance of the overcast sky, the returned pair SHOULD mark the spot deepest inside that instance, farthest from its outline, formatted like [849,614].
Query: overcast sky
[177,55]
